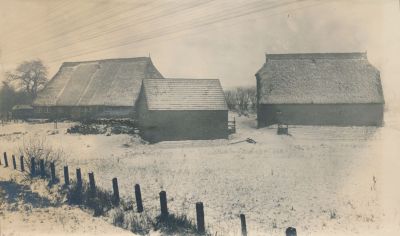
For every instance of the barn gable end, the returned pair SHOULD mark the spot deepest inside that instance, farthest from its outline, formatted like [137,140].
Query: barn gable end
[333,82]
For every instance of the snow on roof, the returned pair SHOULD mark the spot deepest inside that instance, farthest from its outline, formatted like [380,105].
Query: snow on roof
[184,94]
[111,82]
[321,78]
[22,107]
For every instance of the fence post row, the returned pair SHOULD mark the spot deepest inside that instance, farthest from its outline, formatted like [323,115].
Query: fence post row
[53,172]
[139,203]
[14,162]
[291,231]
[163,204]
[66,175]
[42,170]
[138,196]
[79,178]
[21,160]
[200,218]
[92,183]
[243,224]
[5,160]
[116,191]
[33,166]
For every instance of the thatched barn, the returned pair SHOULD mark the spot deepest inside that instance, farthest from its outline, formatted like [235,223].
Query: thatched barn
[182,109]
[338,89]
[95,89]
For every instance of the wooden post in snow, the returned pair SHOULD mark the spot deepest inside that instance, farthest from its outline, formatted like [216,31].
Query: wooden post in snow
[116,191]
[14,162]
[79,178]
[200,218]
[243,224]
[42,170]
[5,160]
[21,161]
[92,184]
[163,204]
[33,167]
[53,172]
[138,196]
[291,231]
[66,175]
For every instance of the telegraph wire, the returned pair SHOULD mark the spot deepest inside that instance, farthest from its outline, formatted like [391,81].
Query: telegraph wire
[175,29]
[148,18]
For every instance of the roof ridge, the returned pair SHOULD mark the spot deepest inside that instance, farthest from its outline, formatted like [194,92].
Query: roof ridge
[182,79]
[301,56]
[105,60]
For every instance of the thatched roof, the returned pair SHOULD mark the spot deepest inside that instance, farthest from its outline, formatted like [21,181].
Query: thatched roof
[112,82]
[320,78]
[184,94]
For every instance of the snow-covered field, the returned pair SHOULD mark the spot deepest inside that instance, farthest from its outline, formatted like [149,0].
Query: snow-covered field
[321,180]
[29,208]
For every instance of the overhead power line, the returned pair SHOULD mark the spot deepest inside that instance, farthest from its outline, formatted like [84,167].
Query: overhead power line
[60,38]
[155,18]
[176,28]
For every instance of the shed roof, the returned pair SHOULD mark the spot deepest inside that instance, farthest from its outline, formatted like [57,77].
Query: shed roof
[111,82]
[184,94]
[320,78]
[22,107]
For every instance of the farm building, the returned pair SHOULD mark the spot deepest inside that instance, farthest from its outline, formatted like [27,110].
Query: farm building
[181,109]
[22,112]
[338,89]
[95,89]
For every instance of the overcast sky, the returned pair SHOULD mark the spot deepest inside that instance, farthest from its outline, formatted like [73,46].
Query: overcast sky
[200,38]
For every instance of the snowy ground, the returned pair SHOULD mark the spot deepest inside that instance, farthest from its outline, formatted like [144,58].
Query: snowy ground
[321,180]
[28,208]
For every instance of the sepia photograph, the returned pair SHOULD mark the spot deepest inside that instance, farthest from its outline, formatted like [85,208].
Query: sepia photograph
[199,117]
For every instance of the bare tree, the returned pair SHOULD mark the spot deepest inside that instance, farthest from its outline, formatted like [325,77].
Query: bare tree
[30,76]
[230,98]
[242,99]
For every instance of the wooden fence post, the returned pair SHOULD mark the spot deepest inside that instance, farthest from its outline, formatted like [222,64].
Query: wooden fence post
[33,167]
[79,183]
[5,160]
[291,231]
[66,175]
[200,218]
[163,204]
[42,170]
[138,195]
[116,191]
[243,224]
[14,162]
[21,160]
[92,183]
[53,172]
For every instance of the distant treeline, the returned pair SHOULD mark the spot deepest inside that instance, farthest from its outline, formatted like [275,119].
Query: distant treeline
[242,99]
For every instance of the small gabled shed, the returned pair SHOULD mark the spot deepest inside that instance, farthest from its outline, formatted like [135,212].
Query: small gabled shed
[182,109]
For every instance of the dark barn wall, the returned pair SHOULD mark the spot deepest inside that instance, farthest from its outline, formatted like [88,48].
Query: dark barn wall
[322,114]
[158,126]
[77,113]
[22,114]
